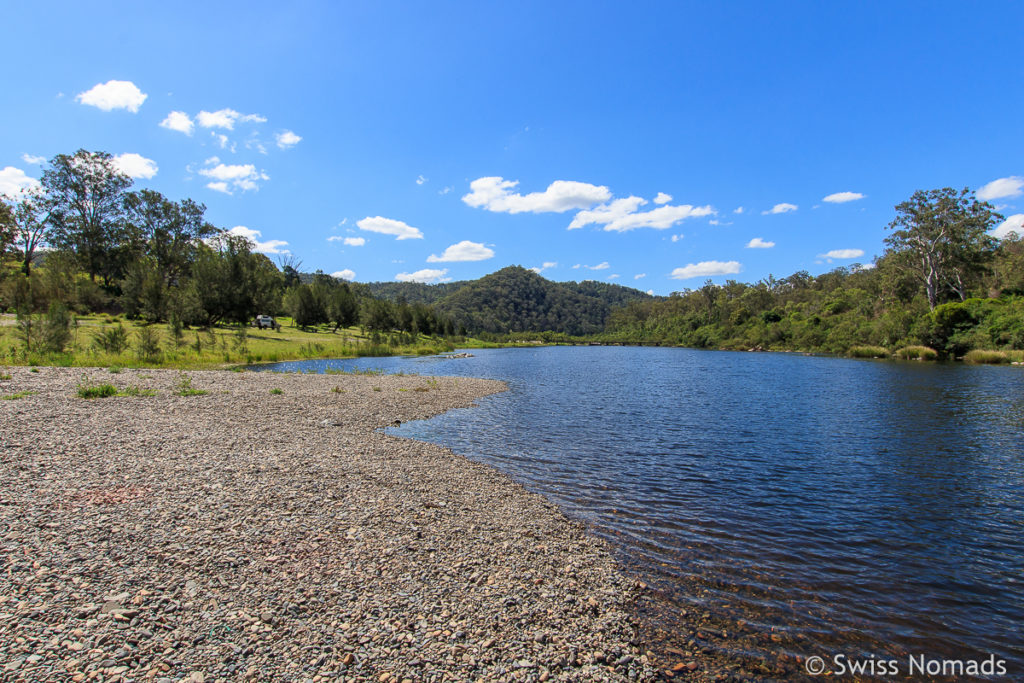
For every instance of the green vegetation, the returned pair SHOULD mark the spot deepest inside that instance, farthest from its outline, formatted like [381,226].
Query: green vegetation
[185,387]
[276,391]
[916,353]
[105,390]
[983,356]
[16,396]
[868,352]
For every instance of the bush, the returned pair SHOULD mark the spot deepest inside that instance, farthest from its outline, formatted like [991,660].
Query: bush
[112,339]
[97,390]
[868,352]
[917,353]
[56,328]
[148,344]
[987,357]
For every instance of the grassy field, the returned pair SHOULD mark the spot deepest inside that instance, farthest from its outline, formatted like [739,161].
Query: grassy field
[221,346]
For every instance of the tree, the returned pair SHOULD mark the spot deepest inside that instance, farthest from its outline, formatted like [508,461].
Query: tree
[943,235]
[231,282]
[29,217]
[87,218]
[170,231]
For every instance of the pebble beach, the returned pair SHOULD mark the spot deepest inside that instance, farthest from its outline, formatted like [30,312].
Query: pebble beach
[267,530]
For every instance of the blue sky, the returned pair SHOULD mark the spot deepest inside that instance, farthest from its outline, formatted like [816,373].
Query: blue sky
[650,144]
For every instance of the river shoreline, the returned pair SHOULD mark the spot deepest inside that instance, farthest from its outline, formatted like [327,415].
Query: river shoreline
[249,535]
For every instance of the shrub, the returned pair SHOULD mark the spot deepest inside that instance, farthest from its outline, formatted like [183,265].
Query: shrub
[148,344]
[868,352]
[112,339]
[16,396]
[917,353]
[276,391]
[56,328]
[987,357]
[97,390]
[185,387]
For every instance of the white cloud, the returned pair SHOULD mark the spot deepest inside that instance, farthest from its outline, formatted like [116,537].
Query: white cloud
[179,121]
[426,276]
[651,292]
[1014,223]
[577,266]
[547,264]
[758,243]
[780,208]
[113,95]
[639,276]
[706,269]
[268,247]
[843,197]
[613,276]
[446,190]
[354,241]
[287,139]
[738,210]
[222,140]
[420,179]
[13,180]
[676,238]
[228,177]
[226,118]
[621,215]
[842,253]
[494,194]
[662,198]
[1011,186]
[388,226]
[135,165]
[346,274]
[33,159]
[463,251]
[600,266]
[864,266]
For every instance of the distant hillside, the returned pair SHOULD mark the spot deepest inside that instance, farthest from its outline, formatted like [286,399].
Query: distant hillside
[515,299]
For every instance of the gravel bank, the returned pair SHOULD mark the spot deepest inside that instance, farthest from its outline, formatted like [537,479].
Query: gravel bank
[250,535]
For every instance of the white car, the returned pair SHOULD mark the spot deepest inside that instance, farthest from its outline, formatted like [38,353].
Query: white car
[265,322]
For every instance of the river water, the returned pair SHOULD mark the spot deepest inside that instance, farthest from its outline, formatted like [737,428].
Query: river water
[801,505]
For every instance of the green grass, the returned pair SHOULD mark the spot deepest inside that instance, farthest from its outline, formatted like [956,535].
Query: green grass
[868,352]
[16,396]
[4,376]
[982,356]
[277,391]
[97,390]
[212,349]
[917,353]
[185,387]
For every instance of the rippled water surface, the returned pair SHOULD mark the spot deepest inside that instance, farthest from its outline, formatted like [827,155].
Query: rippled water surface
[805,505]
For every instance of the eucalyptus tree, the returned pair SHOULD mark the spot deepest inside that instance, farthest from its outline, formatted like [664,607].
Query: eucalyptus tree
[30,222]
[942,237]
[88,211]
[170,231]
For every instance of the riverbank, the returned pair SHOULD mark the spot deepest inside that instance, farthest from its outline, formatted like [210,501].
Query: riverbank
[264,530]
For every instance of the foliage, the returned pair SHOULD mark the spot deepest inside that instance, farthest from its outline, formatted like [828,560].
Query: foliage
[276,391]
[985,356]
[185,387]
[111,339]
[868,352]
[147,346]
[916,353]
[105,390]
[56,329]
[15,396]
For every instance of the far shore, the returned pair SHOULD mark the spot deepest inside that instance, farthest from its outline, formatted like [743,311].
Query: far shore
[261,527]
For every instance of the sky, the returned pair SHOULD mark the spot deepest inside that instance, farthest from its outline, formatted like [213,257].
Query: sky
[651,144]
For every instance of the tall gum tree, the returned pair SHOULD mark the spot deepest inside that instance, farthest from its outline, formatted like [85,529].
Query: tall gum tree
[942,237]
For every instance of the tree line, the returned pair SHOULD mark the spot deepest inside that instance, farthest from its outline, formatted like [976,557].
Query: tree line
[106,247]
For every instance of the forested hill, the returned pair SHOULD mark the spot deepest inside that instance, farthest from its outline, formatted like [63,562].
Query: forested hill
[515,299]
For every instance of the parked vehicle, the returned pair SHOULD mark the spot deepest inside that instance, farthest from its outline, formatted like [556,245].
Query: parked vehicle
[264,322]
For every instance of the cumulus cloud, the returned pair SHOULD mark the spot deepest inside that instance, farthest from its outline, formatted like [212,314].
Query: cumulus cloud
[621,215]
[780,208]
[639,276]
[389,226]
[267,247]
[676,238]
[662,198]
[179,121]
[1014,223]
[1011,186]
[547,264]
[706,269]
[113,95]
[463,251]
[226,118]
[346,274]
[33,159]
[287,139]
[13,180]
[354,241]
[842,253]
[495,194]
[425,276]
[600,266]
[738,210]
[135,165]
[758,243]
[228,177]
[613,276]
[842,197]
[420,179]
